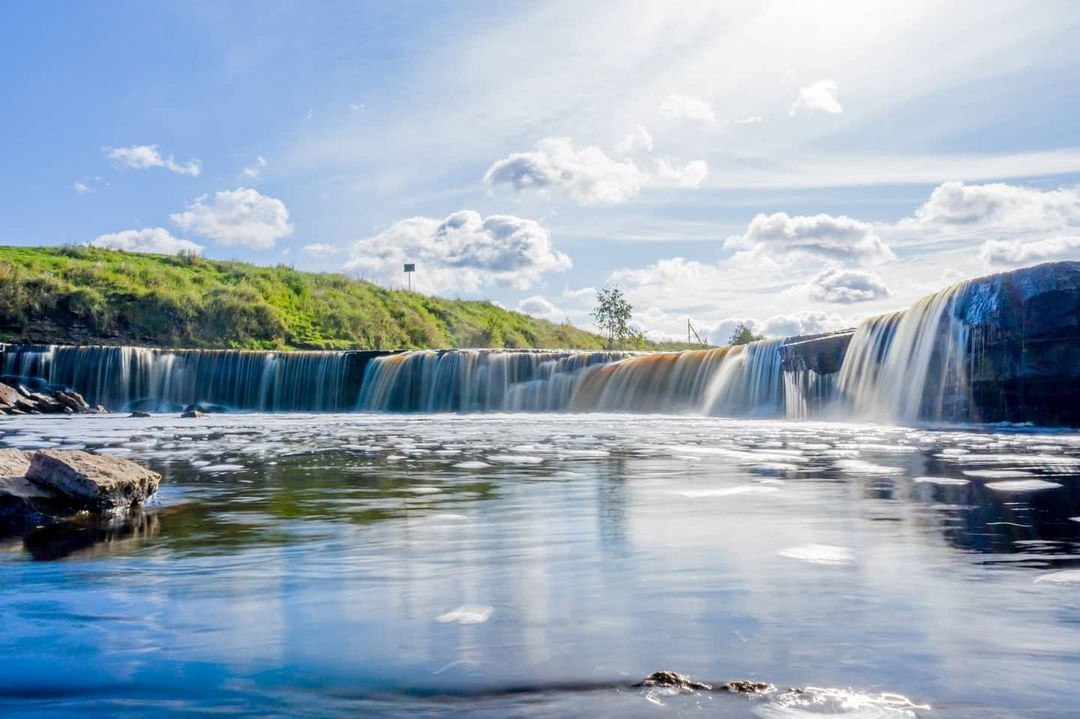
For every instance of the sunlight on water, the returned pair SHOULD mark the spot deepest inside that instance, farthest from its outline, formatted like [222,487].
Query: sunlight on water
[541,565]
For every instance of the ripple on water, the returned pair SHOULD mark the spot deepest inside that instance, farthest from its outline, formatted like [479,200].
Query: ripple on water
[729,491]
[819,554]
[1022,485]
[858,466]
[946,481]
[1067,576]
[467,614]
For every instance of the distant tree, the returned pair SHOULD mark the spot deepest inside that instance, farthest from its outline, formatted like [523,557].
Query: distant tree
[612,314]
[742,335]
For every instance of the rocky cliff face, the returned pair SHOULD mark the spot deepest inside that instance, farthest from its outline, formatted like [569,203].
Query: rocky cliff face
[1024,345]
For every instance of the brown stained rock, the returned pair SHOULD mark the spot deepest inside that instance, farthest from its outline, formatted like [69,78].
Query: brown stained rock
[99,481]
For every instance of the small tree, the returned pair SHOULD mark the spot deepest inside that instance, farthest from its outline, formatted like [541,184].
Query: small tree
[612,314]
[742,335]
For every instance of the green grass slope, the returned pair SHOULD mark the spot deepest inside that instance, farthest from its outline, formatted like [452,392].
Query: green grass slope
[82,295]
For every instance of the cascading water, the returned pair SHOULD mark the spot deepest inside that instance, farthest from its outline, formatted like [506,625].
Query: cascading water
[910,365]
[126,377]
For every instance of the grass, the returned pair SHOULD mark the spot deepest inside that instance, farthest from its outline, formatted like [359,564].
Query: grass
[83,295]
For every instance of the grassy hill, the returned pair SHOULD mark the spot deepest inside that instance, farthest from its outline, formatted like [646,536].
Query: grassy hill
[82,295]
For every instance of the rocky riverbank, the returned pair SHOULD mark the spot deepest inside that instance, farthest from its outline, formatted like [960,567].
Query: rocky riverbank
[19,399]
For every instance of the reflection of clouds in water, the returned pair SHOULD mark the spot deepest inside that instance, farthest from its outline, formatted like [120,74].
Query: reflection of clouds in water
[602,564]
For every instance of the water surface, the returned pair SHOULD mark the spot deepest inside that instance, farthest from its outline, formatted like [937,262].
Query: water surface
[539,565]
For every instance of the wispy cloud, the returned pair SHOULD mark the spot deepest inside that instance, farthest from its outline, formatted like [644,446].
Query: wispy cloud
[141,157]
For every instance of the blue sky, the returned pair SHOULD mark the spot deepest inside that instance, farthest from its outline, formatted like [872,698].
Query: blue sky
[798,166]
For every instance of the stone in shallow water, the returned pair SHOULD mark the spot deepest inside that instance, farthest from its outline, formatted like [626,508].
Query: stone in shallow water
[673,680]
[100,481]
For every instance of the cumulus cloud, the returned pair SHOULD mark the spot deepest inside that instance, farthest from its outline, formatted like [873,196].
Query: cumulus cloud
[637,140]
[237,217]
[686,107]
[781,325]
[1000,205]
[255,169]
[460,253]
[1015,252]
[585,174]
[828,237]
[692,174]
[821,96]
[321,249]
[141,157]
[155,240]
[542,307]
[846,286]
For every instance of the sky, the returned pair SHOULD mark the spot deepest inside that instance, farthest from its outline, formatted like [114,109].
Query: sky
[794,166]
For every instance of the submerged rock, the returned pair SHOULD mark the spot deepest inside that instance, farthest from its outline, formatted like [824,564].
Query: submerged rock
[746,686]
[140,413]
[192,414]
[96,481]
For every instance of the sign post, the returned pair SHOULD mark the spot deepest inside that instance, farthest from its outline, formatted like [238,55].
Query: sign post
[410,267]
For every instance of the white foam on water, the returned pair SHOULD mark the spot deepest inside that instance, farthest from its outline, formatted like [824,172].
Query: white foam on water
[1067,576]
[942,480]
[777,467]
[1074,519]
[997,473]
[515,459]
[1022,485]
[814,702]
[728,491]
[472,464]
[467,614]
[222,468]
[858,466]
[819,554]
[423,490]
[448,517]
[115,450]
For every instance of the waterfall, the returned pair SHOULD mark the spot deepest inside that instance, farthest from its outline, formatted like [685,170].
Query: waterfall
[910,365]
[127,377]
[749,382]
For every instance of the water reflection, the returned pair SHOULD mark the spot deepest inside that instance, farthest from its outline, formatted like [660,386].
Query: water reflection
[309,564]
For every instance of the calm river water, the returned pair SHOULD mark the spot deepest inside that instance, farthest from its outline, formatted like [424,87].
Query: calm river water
[540,565]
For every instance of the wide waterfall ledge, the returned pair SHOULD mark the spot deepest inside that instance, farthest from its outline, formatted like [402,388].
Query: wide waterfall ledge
[1000,348]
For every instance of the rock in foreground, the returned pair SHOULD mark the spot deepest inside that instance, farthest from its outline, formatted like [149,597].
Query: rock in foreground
[93,481]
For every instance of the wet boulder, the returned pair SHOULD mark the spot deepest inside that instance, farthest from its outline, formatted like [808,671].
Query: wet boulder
[23,504]
[673,680]
[140,413]
[93,481]
[8,395]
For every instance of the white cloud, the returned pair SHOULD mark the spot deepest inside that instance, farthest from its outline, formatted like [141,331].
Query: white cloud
[751,120]
[587,174]
[321,249]
[692,174]
[542,307]
[237,217]
[253,171]
[82,188]
[1015,252]
[637,140]
[846,286]
[141,157]
[464,252]
[781,236]
[1000,205]
[156,240]
[820,96]
[686,107]
[781,325]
